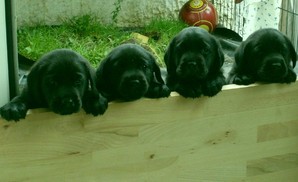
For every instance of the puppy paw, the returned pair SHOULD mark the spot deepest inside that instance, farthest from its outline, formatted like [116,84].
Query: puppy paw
[291,77]
[212,87]
[158,91]
[165,91]
[95,104]
[14,111]
[243,80]
[189,92]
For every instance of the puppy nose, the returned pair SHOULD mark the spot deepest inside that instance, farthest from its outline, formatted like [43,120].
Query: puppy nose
[191,64]
[68,102]
[134,82]
[276,66]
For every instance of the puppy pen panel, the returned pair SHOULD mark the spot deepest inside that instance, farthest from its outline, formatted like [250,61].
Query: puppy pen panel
[241,134]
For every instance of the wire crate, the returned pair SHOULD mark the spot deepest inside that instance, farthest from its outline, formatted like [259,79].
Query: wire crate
[231,14]
[289,20]
[235,16]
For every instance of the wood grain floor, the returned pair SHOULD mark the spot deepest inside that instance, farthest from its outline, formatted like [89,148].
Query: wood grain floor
[241,134]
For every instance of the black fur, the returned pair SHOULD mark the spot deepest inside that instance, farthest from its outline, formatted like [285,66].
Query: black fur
[63,81]
[194,59]
[130,72]
[265,56]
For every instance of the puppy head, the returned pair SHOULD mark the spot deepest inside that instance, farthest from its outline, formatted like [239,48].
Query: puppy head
[193,54]
[127,72]
[267,54]
[59,81]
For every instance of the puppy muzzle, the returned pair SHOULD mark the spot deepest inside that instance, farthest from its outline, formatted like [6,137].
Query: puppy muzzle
[133,87]
[274,68]
[192,70]
[66,105]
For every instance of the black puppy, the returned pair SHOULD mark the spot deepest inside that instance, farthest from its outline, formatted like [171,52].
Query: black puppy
[63,81]
[194,59]
[264,56]
[130,72]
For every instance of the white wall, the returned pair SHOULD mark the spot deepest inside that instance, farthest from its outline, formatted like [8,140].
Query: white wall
[4,88]
[133,12]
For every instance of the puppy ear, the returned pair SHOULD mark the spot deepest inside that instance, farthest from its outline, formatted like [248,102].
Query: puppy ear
[169,57]
[157,73]
[291,48]
[91,75]
[220,56]
[102,77]
[34,82]
[241,55]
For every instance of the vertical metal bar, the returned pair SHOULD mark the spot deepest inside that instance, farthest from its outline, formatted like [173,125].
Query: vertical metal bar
[287,16]
[295,24]
[232,6]
[234,17]
[293,21]
[220,11]
[11,48]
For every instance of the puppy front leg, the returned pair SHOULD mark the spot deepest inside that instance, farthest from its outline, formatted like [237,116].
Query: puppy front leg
[189,90]
[94,103]
[185,88]
[213,85]
[243,79]
[16,109]
[157,90]
[291,77]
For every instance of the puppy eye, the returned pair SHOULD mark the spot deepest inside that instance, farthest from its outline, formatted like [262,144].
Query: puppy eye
[52,83]
[178,48]
[78,81]
[205,51]
[282,50]
[144,66]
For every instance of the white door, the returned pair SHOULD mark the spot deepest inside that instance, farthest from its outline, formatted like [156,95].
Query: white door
[4,81]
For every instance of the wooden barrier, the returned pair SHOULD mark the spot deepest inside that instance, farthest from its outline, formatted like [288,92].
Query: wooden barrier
[241,134]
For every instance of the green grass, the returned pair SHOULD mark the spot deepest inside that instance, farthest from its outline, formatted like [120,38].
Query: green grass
[91,39]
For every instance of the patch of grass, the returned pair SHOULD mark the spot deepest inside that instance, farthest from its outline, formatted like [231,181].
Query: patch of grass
[161,33]
[91,39]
